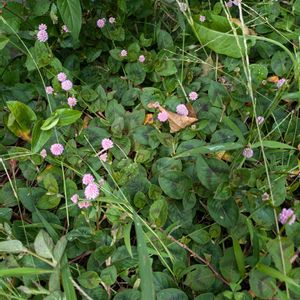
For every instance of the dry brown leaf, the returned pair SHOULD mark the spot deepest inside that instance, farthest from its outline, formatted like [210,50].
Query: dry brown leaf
[148,119]
[176,121]
[273,79]
[222,155]
[207,66]
[86,121]
[246,30]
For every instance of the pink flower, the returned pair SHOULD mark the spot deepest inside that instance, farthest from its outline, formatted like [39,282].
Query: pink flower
[72,101]
[182,110]
[248,152]
[42,36]
[237,2]
[163,116]
[49,90]
[193,96]
[103,157]
[107,144]
[42,27]
[74,198]
[91,191]
[57,149]
[65,28]
[66,85]
[141,58]
[84,204]
[43,153]
[123,53]
[229,4]
[202,18]
[112,20]
[101,23]
[280,82]
[87,179]
[287,216]
[260,120]
[61,76]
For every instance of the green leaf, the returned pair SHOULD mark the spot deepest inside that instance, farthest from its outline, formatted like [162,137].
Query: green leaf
[158,212]
[211,172]
[39,137]
[23,271]
[222,42]
[70,11]
[171,294]
[109,275]
[50,122]
[228,266]
[59,248]
[67,116]
[145,270]
[22,114]
[48,201]
[175,184]
[66,279]
[127,229]
[3,41]
[135,73]
[43,244]
[11,246]
[89,280]
[239,256]
[50,183]
[224,212]
[273,145]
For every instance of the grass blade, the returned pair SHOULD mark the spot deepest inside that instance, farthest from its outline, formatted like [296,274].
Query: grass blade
[23,271]
[68,286]
[147,286]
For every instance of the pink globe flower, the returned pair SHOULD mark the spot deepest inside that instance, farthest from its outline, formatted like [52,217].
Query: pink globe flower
[260,120]
[182,110]
[42,26]
[87,179]
[91,191]
[142,58]
[101,22]
[84,204]
[280,82]
[193,96]
[74,198]
[66,85]
[202,19]
[57,149]
[287,216]
[42,36]
[248,152]
[65,28]
[237,2]
[112,20]
[103,157]
[49,90]
[43,153]
[61,76]
[163,116]
[72,101]
[123,53]
[229,4]
[107,144]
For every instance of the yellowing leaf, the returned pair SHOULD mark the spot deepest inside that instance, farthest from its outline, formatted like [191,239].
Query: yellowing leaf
[148,119]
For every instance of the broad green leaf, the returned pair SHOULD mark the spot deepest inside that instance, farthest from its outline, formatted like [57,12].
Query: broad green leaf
[50,122]
[239,256]
[273,145]
[67,116]
[11,246]
[59,248]
[70,11]
[109,275]
[228,266]
[39,137]
[50,183]
[145,269]
[158,212]
[48,201]
[135,73]
[127,230]
[222,42]
[89,280]
[171,294]
[66,279]
[3,41]
[43,244]
[224,212]
[175,184]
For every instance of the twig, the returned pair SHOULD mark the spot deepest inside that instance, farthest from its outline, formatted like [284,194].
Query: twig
[209,265]
[81,291]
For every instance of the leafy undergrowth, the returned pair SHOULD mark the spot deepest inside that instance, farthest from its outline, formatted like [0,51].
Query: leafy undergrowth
[149,150]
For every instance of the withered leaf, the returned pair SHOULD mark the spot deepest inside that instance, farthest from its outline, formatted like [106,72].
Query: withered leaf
[176,121]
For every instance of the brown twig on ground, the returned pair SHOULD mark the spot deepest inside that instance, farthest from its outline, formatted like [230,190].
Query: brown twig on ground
[204,261]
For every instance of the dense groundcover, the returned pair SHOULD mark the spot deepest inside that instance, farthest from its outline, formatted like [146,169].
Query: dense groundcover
[149,150]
